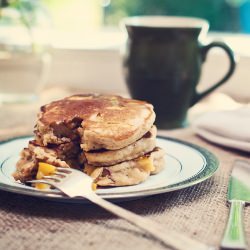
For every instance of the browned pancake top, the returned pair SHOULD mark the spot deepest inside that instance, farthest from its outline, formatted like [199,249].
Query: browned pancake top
[94,109]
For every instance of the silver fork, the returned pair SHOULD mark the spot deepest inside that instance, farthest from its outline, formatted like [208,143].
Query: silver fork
[75,183]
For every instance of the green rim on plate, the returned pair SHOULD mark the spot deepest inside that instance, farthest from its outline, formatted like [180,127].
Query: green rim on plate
[211,165]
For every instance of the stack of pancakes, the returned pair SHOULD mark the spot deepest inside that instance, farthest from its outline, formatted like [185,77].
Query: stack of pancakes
[110,138]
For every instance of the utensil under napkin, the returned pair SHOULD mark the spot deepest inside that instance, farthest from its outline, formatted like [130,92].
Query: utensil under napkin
[229,128]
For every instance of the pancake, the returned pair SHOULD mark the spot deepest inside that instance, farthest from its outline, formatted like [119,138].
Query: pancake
[109,137]
[62,151]
[97,121]
[26,167]
[65,155]
[110,157]
[129,172]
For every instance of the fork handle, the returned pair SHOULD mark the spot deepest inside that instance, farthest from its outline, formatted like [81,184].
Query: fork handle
[168,238]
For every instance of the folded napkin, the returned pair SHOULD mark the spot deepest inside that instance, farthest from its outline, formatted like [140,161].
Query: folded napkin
[227,128]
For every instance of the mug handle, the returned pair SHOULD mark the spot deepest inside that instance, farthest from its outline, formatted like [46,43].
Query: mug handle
[204,50]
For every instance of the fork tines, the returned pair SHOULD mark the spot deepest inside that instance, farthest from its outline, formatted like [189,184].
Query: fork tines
[55,177]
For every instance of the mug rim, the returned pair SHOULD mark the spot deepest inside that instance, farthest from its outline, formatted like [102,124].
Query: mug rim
[174,22]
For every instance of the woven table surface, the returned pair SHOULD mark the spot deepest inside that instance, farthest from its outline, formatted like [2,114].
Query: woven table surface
[199,212]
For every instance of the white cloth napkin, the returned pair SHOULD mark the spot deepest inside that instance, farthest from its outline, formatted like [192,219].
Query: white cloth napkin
[227,128]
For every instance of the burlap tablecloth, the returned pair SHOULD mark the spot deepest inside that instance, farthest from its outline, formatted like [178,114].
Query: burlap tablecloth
[199,212]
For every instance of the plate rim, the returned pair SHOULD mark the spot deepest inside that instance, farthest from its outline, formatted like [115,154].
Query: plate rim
[212,164]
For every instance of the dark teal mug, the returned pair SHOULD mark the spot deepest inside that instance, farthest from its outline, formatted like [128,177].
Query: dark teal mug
[162,64]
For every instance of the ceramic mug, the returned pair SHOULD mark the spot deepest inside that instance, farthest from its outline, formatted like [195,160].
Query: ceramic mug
[162,64]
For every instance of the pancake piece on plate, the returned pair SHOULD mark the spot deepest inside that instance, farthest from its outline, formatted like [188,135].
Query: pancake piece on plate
[129,172]
[99,121]
[102,133]
[110,157]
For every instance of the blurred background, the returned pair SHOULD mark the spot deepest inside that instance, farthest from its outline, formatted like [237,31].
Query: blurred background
[85,15]
[65,42]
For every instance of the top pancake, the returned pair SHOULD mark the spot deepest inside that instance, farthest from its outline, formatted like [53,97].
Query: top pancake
[98,121]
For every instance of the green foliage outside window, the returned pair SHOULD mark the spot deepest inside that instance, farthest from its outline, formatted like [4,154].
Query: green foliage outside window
[223,15]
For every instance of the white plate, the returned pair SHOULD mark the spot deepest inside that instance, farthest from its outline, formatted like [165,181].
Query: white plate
[186,165]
